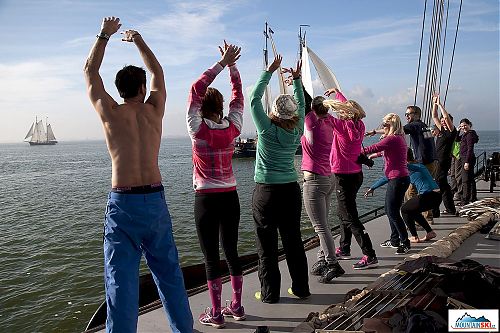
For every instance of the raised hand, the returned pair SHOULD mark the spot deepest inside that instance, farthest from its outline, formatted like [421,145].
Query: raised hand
[110,25]
[230,54]
[331,91]
[435,98]
[275,64]
[295,72]
[225,48]
[129,35]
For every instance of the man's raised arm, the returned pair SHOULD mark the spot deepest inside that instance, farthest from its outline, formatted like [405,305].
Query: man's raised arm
[158,92]
[97,94]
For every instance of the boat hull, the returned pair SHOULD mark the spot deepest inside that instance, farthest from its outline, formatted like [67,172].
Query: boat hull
[47,143]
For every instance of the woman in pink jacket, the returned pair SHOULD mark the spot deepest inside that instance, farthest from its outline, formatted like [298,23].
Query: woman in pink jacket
[348,133]
[318,185]
[394,149]
[216,203]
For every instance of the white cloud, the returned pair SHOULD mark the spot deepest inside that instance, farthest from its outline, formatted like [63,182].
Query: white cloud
[192,30]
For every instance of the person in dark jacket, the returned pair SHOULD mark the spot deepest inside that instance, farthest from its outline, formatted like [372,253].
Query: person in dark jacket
[444,143]
[467,139]
[424,148]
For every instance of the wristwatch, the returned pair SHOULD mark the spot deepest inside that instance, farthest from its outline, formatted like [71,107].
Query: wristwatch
[103,35]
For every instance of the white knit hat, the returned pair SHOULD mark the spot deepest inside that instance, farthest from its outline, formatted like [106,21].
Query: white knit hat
[284,107]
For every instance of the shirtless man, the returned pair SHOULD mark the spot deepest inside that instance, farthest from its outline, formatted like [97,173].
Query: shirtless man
[137,219]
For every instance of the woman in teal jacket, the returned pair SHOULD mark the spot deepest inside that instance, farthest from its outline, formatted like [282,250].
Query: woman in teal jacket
[277,200]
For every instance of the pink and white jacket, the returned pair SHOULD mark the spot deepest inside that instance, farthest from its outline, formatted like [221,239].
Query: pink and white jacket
[213,143]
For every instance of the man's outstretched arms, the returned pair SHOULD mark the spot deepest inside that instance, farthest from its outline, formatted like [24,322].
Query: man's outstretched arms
[97,94]
[158,93]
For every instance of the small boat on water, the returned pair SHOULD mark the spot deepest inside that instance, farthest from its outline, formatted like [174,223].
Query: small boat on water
[245,148]
[40,135]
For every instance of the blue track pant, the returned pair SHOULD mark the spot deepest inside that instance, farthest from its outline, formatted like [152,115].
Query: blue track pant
[137,224]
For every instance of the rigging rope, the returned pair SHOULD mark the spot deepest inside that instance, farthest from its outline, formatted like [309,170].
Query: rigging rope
[435,56]
[420,53]
[453,52]
[444,46]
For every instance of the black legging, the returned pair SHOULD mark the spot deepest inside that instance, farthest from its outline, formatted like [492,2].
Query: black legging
[412,209]
[468,182]
[216,213]
[442,181]
[277,208]
[347,187]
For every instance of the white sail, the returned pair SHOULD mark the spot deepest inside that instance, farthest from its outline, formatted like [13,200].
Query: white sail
[38,133]
[50,133]
[268,100]
[306,72]
[325,74]
[30,132]
[281,78]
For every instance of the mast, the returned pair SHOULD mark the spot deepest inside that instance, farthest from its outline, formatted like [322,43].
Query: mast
[47,129]
[267,92]
[266,37]
[302,38]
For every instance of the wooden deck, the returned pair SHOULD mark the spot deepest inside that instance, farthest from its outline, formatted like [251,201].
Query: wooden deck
[290,311]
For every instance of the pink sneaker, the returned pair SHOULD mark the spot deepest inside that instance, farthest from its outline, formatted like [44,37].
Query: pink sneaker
[237,314]
[208,319]
[342,255]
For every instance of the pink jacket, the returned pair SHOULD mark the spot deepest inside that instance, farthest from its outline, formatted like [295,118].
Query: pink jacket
[347,139]
[213,143]
[394,149]
[317,144]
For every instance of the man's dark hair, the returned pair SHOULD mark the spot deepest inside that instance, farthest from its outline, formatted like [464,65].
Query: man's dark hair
[212,102]
[415,109]
[466,121]
[129,81]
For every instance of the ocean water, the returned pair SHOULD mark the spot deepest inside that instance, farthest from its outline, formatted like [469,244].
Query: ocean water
[52,202]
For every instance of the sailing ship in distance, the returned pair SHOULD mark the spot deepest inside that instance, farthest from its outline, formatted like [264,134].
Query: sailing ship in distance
[39,135]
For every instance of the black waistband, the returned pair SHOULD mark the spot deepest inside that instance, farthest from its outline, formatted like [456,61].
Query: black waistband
[144,189]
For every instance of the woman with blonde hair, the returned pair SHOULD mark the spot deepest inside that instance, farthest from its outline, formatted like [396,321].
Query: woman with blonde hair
[347,136]
[277,201]
[394,149]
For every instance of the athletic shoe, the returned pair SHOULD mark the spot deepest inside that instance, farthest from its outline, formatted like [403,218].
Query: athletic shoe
[237,314]
[388,243]
[341,254]
[403,249]
[319,267]
[290,291]
[258,296]
[209,320]
[332,271]
[366,262]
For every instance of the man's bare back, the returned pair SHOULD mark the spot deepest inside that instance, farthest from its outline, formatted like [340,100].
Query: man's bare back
[132,129]
[133,134]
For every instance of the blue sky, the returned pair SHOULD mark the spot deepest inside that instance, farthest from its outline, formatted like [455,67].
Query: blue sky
[372,46]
